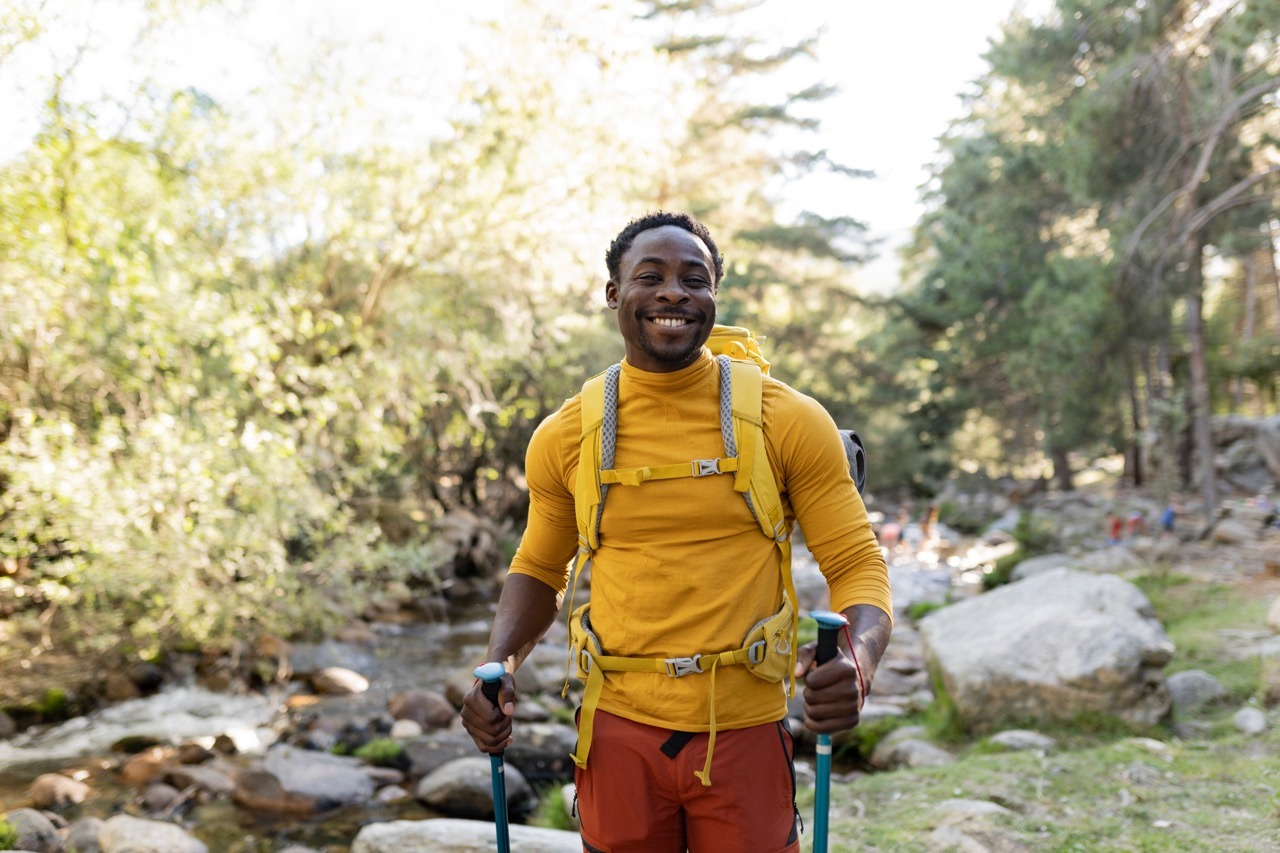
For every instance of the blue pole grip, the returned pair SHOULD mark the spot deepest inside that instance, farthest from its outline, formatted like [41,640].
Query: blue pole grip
[490,674]
[829,625]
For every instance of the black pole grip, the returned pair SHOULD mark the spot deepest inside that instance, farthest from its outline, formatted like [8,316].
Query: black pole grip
[827,640]
[490,691]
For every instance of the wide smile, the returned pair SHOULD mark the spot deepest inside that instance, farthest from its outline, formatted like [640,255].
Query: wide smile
[671,322]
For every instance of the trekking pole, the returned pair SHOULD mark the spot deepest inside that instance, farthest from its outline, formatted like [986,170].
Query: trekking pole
[490,673]
[829,625]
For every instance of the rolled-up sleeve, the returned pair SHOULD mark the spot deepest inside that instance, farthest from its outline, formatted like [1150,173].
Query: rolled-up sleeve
[550,538]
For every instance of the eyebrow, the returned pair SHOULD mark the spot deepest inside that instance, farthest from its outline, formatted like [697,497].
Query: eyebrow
[688,262]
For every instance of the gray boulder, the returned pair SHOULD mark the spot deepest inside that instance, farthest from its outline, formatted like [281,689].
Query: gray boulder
[459,836]
[1052,647]
[464,788]
[1193,689]
[1110,561]
[297,781]
[35,832]
[125,834]
[1043,563]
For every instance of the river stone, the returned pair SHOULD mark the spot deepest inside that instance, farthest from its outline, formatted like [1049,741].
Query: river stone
[82,835]
[259,791]
[332,780]
[125,834]
[1192,689]
[1109,561]
[339,681]
[158,797]
[7,725]
[34,832]
[437,749]
[118,688]
[53,791]
[448,835]
[1233,531]
[202,777]
[1052,647]
[463,787]
[427,708]
[406,730]
[144,767]
[541,751]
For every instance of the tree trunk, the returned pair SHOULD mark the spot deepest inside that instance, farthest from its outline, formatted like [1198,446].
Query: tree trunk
[1136,472]
[1062,470]
[1199,370]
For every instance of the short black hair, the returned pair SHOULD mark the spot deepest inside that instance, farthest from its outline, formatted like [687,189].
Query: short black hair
[657,219]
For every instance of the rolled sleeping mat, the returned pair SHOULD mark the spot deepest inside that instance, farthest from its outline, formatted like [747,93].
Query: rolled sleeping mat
[857,457]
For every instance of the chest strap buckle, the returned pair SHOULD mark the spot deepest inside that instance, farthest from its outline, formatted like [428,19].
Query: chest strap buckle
[706,467]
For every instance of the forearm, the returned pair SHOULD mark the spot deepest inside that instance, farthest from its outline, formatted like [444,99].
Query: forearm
[869,627]
[526,608]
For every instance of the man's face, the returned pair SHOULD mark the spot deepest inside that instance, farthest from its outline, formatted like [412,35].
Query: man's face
[665,297]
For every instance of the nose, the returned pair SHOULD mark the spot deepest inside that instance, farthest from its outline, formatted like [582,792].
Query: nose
[673,290]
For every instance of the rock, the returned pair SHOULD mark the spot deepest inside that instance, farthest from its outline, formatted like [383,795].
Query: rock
[158,797]
[147,677]
[201,777]
[7,726]
[436,750]
[1192,689]
[1043,563]
[459,836]
[891,755]
[1109,561]
[541,752]
[34,832]
[1250,721]
[53,791]
[1052,647]
[144,767]
[976,808]
[339,681]
[118,688]
[427,708]
[1273,616]
[82,835]
[292,781]
[391,794]
[194,753]
[356,632]
[124,834]
[569,796]
[1022,740]
[406,729]
[1233,531]
[463,788]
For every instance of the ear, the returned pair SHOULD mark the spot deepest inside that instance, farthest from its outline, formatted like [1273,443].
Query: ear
[611,293]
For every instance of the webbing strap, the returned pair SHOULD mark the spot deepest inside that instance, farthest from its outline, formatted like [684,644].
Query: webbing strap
[696,468]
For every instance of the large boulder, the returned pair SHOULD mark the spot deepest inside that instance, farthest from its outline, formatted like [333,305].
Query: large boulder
[448,835]
[126,834]
[464,788]
[1051,647]
[34,832]
[296,781]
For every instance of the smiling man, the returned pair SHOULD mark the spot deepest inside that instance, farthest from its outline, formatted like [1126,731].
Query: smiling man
[686,755]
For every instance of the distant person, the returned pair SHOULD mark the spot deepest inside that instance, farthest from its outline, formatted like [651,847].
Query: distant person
[1137,523]
[1115,528]
[1168,517]
[929,526]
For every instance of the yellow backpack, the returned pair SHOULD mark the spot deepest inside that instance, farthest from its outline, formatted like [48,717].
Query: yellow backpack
[769,649]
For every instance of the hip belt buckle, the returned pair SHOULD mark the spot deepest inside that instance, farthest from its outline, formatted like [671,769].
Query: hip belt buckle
[677,667]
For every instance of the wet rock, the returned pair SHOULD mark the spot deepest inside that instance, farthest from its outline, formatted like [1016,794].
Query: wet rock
[118,688]
[147,677]
[1250,721]
[144,767]
[159,797]
[259,791]
[82,835]
[406,729]
[34,832]
[202,777]
[53,791]
[392,794]
[7,726]
[541,751]
[436,750]
[463,787]
[330,780]
[427,708]
[126,834]
[459,836]
[339,681]
[194,753]
[1193,689]
[355,632]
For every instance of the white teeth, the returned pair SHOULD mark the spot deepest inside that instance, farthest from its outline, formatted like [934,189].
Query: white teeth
[670,321]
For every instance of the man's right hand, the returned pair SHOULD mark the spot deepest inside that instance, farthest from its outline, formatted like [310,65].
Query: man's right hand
[489,726]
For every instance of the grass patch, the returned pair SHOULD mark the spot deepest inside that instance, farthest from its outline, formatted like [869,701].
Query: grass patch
[8,835]
[550,812]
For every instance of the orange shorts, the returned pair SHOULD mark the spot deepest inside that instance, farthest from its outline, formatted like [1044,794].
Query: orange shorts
[638,793]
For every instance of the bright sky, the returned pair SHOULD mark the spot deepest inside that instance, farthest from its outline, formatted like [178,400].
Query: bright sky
[900,67]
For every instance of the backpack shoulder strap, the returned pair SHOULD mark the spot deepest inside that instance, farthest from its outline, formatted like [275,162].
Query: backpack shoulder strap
[595,452]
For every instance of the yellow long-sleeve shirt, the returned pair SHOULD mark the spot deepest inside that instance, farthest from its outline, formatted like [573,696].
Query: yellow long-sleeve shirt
[682,566]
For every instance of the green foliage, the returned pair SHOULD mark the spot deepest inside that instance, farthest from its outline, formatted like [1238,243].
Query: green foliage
[550,812]
[1002,571]
[8,835]
[917,610]
[383,752]
[862,740]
